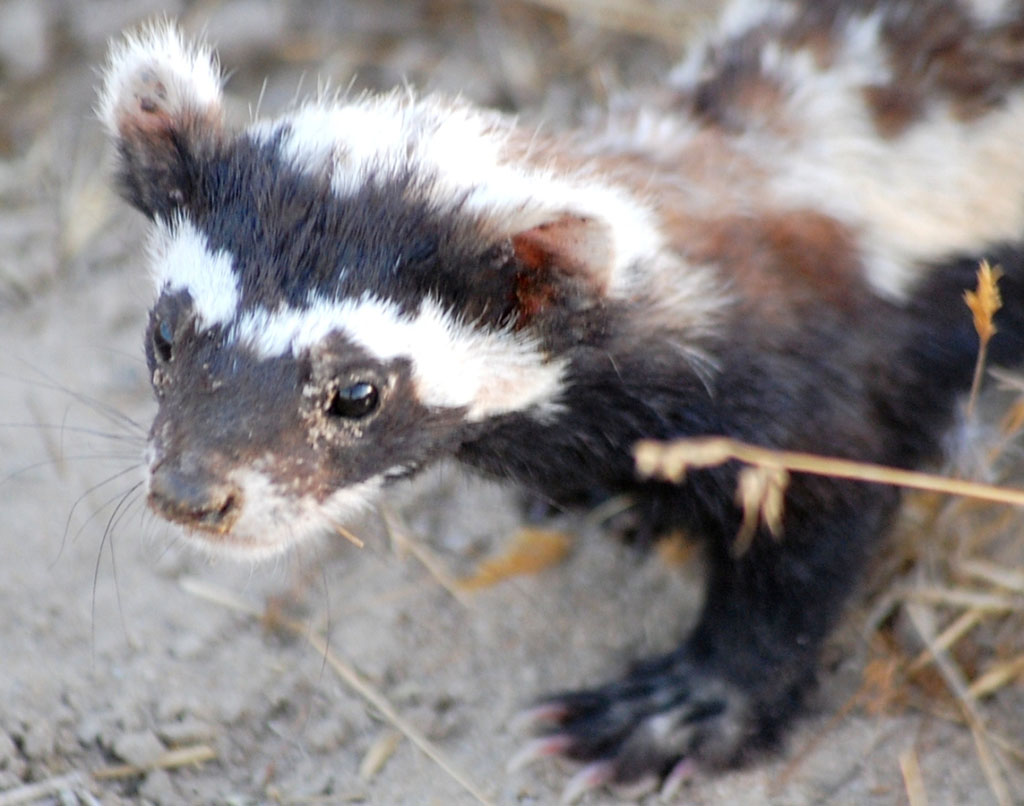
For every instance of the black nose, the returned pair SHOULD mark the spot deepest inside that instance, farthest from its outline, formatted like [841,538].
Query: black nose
[193,500]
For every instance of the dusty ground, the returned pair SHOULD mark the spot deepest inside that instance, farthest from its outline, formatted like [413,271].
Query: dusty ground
[109,655]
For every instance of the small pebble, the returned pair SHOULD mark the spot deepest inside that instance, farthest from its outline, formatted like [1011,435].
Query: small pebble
[187,731]
[140,749]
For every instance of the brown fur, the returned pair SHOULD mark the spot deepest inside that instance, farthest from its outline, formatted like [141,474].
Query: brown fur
[936,50]
[944,53]
[783,265]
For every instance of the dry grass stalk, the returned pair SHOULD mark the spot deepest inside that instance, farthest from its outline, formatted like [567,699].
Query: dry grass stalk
[1000,675]
[402,540]
[75,781]
[1009,747]
[999,576]
[958,597]
[954,679]
[671,460]
[983,302]
[347,673]
[351,538]
[179,757]
[37,790]
[963,624]
[1013,420]
[913,781]
[760,493]
[377,755]
[965,557]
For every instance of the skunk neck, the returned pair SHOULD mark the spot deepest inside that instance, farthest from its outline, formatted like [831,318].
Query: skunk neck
[617,390]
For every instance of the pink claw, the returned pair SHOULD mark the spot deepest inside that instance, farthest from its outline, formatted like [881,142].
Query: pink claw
[538,715]
[636,789]
[537,749]
[682,772]
[590,777]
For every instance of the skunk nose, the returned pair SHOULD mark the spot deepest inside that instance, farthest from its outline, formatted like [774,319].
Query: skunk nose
[192,500]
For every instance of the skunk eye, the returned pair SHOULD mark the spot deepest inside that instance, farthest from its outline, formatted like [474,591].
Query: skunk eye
[353,402]
[163,341]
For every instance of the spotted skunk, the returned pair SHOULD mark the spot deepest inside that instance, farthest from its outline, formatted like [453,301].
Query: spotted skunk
[771,246]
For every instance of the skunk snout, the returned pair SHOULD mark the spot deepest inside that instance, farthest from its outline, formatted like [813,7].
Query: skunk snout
[194,499]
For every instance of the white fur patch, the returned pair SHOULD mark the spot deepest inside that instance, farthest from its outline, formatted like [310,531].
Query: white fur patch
[454,365]
[272,520]
[188,72]
[941,187]
[992,12]
[741,16]
[180,260]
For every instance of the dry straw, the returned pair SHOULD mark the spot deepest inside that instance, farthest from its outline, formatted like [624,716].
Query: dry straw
[957,568]
[348,674]
[984,302]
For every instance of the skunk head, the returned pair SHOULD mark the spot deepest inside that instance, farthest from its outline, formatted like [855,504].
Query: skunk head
[346,292]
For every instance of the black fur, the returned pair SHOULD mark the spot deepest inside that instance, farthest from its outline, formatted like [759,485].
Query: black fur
[291,237]
[886,395]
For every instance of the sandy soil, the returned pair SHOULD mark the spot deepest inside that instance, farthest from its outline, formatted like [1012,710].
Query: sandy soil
[108,652]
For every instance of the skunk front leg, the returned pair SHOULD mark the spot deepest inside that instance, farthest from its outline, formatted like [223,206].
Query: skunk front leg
[741,675]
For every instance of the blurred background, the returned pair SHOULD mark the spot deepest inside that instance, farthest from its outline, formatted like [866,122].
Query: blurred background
[548,57]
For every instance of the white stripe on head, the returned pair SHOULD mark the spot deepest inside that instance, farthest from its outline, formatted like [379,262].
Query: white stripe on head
[376,136]
[181,260]
[461,155]
[454,365]
[352,142]
[188,71]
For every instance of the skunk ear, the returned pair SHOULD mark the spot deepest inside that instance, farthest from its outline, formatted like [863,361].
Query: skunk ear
[161,104]
[566,259]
